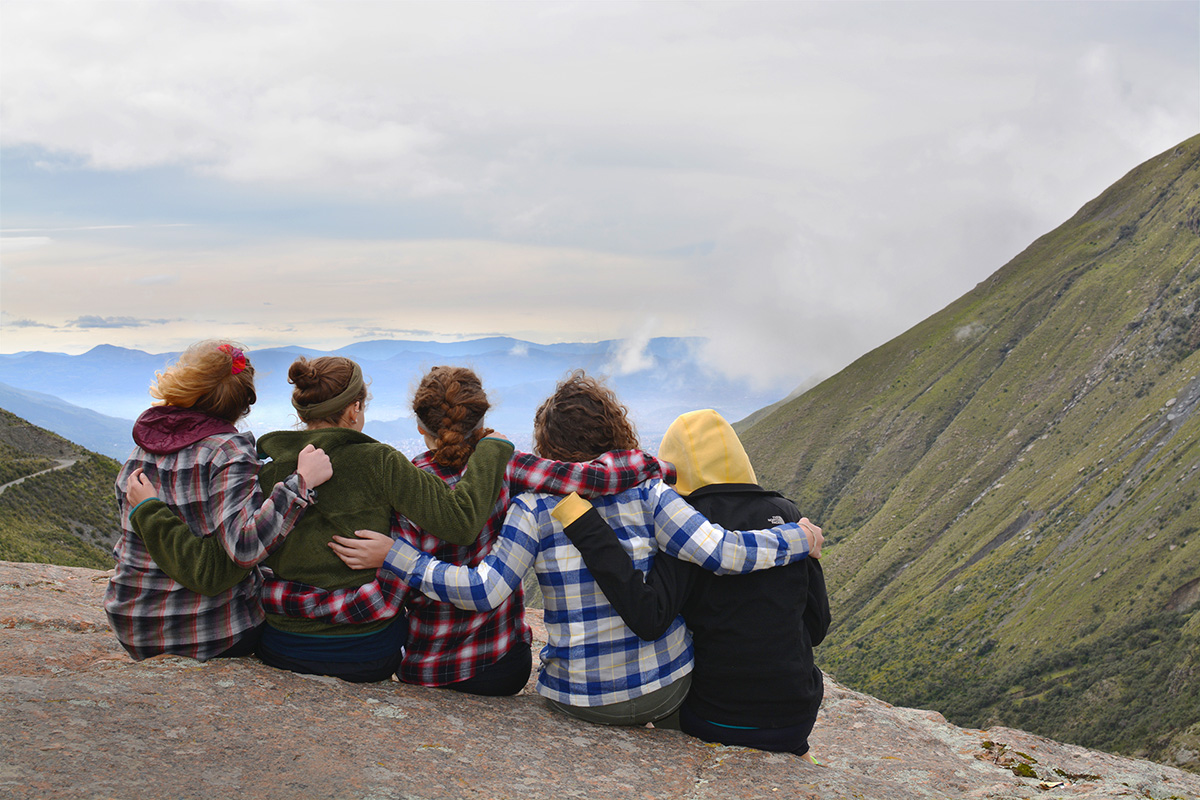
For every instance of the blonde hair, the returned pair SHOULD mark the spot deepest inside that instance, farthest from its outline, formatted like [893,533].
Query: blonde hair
[204,379]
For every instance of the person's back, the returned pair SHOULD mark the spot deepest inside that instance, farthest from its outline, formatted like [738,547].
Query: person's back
[192,466]
[753,634]
[754,681]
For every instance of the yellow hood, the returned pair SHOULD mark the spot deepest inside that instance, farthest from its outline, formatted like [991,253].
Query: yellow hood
[705,450]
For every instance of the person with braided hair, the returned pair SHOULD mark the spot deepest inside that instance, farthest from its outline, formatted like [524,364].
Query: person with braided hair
[479,652]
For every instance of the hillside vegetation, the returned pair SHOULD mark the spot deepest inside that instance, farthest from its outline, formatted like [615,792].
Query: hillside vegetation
[63,512]
[1009,489]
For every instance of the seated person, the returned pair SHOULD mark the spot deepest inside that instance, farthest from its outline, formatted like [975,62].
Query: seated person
[594,667]
[478,652]
[754,682]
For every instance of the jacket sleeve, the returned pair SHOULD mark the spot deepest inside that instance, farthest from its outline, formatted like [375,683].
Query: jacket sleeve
[200,563]
[683,532]
[647,603]
[480,588]
[457,514]
[249,523]
[611,473]
[816,609]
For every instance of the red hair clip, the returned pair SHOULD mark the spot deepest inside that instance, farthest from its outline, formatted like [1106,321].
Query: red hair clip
[239,358]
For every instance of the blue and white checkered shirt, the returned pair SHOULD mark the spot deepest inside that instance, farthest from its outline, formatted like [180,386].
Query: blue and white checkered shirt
[592,658]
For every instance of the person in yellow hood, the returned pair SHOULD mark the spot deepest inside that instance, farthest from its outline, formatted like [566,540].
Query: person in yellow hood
[754,682]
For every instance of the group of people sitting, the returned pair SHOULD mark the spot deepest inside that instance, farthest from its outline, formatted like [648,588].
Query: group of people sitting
[694,607]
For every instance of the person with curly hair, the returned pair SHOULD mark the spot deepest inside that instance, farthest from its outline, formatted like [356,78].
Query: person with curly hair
[593,666]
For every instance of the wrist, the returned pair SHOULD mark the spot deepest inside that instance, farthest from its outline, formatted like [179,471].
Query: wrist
[570,509]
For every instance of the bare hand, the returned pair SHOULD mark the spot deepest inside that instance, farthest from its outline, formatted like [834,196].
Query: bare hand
[314,466]
[815,538]
[139,488]
[368,551]
[500,436]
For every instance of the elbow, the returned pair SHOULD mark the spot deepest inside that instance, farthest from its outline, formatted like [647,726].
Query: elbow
[650,633]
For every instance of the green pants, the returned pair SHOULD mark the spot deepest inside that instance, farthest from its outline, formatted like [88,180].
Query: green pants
[660,706]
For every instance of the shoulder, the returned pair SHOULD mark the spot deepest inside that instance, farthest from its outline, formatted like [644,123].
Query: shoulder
[224,448]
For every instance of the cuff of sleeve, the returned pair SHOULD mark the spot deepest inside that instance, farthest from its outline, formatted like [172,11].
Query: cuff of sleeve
[296,483]
[143,505]
[506,442]
[799,540]
[570,508]
[402,560]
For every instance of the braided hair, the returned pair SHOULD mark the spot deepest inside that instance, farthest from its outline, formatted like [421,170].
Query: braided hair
[450,404]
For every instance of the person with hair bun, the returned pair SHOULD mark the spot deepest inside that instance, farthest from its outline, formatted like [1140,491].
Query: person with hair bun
[593,666]
[371,482]
[479,652]
[207,471]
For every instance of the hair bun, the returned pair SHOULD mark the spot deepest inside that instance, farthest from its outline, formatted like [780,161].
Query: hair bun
[302,373]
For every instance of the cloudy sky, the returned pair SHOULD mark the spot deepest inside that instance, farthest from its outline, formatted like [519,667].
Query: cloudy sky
[798,182]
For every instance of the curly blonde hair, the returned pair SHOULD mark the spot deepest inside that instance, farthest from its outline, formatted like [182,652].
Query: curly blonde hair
[582,420]
[204,379]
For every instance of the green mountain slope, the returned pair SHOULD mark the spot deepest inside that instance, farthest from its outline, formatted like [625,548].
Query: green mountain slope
[63,511]
[1009,488]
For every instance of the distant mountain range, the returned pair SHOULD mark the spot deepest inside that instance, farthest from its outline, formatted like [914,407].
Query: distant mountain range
[95,431]
[94,397]
[1010,488]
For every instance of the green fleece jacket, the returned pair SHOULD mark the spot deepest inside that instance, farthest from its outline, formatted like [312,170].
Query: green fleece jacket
[371,480]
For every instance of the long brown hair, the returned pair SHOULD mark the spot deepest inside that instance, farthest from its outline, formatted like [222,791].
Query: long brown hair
[581,420]
[321,379]
[450,404]
[204,378]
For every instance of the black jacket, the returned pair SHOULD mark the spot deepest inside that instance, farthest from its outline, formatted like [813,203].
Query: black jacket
[753,634]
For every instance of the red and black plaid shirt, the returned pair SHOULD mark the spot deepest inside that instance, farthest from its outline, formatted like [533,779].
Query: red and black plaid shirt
[446,644]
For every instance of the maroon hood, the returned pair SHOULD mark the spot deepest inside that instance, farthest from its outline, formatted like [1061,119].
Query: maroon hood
[169,429]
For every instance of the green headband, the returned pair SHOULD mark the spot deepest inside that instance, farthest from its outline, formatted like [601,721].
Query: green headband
[334,405]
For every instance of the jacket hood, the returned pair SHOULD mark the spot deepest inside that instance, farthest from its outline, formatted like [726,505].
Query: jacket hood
[705,451]
[169,429]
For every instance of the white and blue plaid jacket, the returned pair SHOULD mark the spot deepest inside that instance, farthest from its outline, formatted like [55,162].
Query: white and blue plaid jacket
[592,658]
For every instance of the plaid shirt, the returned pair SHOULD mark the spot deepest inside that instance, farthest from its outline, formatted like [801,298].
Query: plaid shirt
[592,658]
[446,644]
[213,486]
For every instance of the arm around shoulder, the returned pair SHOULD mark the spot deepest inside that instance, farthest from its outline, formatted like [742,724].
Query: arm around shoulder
[647,604]
[200,563]
[457,514]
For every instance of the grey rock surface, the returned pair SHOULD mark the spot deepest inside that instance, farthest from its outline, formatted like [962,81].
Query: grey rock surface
[80,719]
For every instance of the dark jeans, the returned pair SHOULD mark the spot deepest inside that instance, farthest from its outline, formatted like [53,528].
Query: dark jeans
[374,657]
[244,646]
[505,677]
[776,740]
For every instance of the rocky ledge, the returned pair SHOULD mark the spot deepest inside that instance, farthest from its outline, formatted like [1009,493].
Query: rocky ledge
[79,719]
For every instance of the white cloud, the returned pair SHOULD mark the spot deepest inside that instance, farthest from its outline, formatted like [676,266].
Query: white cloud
[15,244]
[632,354]
[823,174]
